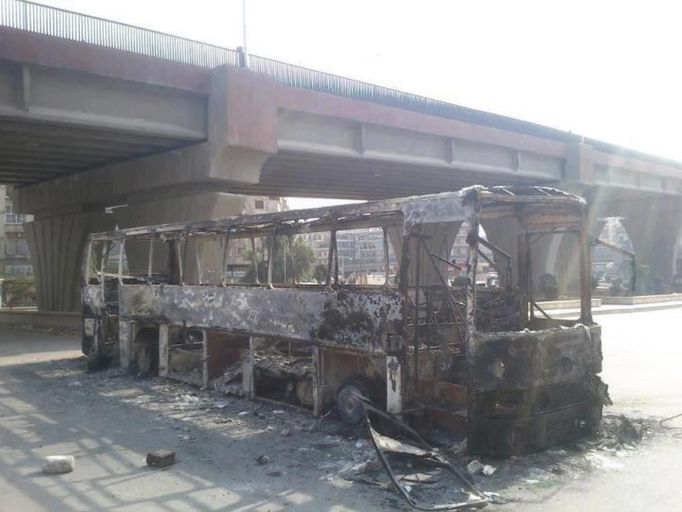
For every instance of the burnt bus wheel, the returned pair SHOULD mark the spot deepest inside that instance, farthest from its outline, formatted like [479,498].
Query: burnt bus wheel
[349,405]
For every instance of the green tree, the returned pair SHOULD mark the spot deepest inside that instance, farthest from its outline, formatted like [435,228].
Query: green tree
[292,262]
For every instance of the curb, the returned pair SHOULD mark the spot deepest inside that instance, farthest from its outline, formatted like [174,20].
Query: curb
[626,309]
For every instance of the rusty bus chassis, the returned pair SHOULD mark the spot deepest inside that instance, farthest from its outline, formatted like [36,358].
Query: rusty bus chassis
[436,352]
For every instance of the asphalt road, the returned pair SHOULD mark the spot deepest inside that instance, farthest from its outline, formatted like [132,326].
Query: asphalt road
[49,405]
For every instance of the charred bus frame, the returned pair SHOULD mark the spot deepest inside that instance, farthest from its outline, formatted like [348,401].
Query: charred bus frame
[435,352]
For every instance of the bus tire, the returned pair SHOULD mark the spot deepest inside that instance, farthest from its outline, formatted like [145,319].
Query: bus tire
[349,405]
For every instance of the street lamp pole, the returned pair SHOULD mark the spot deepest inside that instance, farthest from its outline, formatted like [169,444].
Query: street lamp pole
[245,51]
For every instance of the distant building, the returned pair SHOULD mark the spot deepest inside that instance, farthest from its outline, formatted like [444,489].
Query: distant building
[362,250]
[359,250]
[14,256]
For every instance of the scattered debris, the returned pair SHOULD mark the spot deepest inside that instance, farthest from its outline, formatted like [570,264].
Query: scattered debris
[489,470]
[558,470]
[343,458]
[476,467]
[58,464]
[161,458]
[627,432]
[262,459]
[538,474]
[603,462]
[459,448]
[664,422]
[424,455]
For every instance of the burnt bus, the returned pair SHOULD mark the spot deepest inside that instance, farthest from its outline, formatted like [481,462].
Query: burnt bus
[439,342]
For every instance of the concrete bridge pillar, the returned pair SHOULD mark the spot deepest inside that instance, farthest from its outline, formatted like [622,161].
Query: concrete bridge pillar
[56,247]
[503,234]
[57,241]
[655,234]
[559,255]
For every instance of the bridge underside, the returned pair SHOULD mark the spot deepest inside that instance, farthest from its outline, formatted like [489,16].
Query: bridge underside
[32,152]
[298,174]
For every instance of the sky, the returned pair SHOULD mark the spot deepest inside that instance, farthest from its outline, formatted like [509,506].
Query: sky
[604,69]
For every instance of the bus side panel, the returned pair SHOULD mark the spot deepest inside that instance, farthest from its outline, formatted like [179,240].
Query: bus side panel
[349,319]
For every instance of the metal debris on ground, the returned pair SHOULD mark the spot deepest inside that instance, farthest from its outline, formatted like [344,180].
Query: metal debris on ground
[420,467]
[627,432]
[665,424]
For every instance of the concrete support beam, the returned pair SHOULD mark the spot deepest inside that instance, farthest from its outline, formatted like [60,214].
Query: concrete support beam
[241,130]
[49,95]
[579,167]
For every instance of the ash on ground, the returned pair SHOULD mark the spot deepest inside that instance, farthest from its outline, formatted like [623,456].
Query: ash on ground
[282,441]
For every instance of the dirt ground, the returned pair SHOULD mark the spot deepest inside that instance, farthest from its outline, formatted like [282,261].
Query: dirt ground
[250,456]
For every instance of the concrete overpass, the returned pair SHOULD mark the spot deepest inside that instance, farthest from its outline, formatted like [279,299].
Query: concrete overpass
[95,114]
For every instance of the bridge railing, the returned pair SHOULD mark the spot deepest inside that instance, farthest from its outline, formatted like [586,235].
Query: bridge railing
[56,22]
[52,21]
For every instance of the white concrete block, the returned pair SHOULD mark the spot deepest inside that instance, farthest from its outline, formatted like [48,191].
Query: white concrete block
[57,464]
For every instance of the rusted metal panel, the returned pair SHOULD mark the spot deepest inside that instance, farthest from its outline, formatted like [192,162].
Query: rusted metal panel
[439,208]
[350,319]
